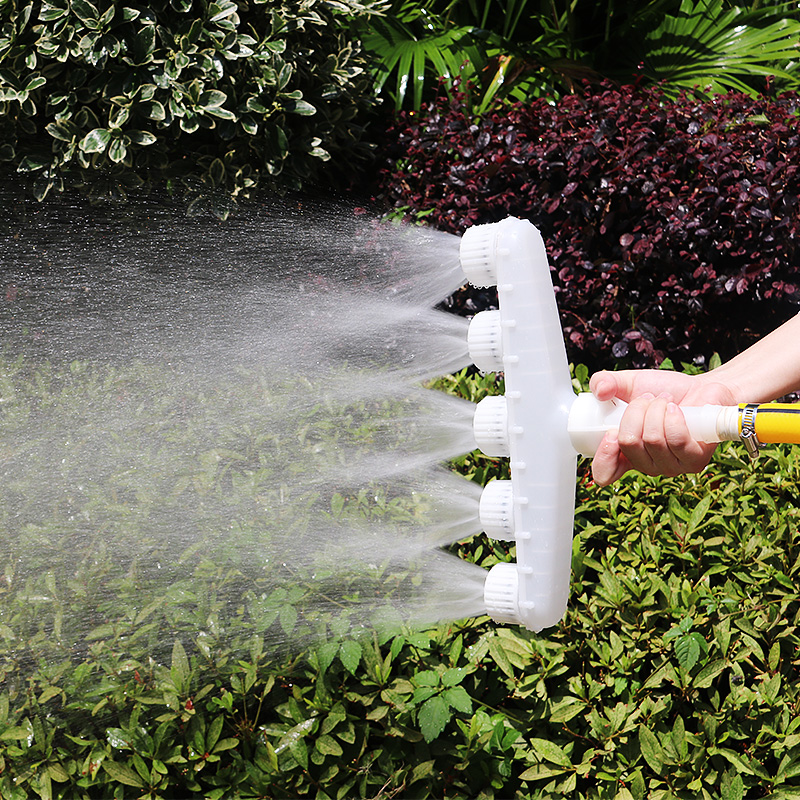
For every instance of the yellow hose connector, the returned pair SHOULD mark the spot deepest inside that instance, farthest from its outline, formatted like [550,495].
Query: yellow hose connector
[775,422]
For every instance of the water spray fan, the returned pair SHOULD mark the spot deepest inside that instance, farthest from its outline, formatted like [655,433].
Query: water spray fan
[542,426]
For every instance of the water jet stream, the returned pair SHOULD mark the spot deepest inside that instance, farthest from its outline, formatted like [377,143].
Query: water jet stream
[192,410]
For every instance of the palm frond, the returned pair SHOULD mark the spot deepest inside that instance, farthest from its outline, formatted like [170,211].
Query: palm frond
[707,46]
[412,60]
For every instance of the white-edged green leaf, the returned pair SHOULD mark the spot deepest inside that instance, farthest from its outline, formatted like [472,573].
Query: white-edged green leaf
[96,141]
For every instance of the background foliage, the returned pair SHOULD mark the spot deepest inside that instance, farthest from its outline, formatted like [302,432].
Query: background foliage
[522,49]
[661,217]
[216,95]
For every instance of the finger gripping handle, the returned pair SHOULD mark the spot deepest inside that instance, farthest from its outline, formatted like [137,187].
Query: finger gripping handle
[590,418]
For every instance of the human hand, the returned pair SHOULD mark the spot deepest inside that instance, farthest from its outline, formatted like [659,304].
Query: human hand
[653,437]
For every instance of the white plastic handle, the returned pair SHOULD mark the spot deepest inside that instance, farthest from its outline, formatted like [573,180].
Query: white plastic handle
[589,419]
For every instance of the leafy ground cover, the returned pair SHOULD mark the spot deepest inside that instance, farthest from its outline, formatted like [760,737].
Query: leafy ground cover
[674,673]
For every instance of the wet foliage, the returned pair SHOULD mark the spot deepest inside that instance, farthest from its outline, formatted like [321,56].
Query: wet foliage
[673,675]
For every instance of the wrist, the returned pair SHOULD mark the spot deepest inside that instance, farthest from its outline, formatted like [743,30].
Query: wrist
[724,386]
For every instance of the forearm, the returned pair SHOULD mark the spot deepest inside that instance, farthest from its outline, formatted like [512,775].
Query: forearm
[765,371]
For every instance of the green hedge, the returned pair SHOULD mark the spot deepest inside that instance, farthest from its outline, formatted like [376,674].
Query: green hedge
[673,675]
[216,95]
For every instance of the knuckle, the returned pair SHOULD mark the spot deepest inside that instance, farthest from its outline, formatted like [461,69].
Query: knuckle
[654,440]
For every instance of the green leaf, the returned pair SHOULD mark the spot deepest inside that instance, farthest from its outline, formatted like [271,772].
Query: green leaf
[58,773]
[51,12]
[299,751]
[117,150]
[498,653]
[731,787]
[35,83]
[774,656]
[413,58]
[715,48]
[706,676]
[301,107]
[732,758]
[458,698]
[154,110]
[453,676]
[143,138]
[220,113]
[350,655]
[212,98]
[688,649]
[566,709]
[180,672]
[33,163]
[118,739]
[85,11]
[651,749]
[214,731]
[288,618]
[698,514]
[95,141]
[325,655]
[217,172]
[427,677]
[15,734]
[434,714]
[49,693]
[541,772]
[225,744]
[328,746]
[122,773]
[550,751]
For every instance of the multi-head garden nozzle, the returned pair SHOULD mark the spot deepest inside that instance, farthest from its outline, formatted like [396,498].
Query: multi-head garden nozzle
[541,426]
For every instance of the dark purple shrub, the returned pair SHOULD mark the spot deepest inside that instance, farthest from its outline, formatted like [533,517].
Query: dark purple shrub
[671,225]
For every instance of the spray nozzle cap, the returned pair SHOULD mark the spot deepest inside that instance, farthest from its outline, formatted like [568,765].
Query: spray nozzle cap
[485,340]
[497,510]
[501,593]
[490,426]
[477,254]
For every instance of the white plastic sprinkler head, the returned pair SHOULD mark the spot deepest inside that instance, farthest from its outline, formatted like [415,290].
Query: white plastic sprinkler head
[524,339]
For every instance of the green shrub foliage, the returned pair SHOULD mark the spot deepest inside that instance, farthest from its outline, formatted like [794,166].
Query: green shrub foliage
[674,674]
[217,94]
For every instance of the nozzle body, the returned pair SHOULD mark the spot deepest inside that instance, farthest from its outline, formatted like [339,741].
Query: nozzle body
[590,418]
[524,340]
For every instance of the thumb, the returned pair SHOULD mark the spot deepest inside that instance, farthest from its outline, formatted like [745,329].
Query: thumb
[607,385]
[609,464]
